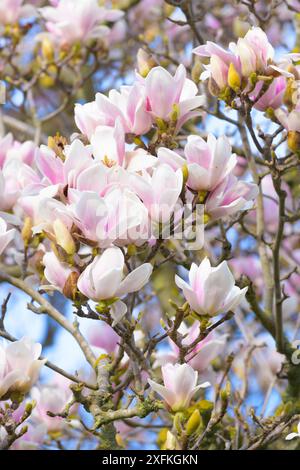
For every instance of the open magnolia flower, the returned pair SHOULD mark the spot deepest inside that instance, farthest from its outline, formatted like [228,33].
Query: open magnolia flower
[104,280]
[201,355]
[208,162]
[69,21]
[19,366]
[211,291]
[11,11]
[180,385]
[166,94]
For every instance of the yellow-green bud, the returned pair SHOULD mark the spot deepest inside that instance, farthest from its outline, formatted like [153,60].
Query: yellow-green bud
[47,49]
[63,237]
[27,231]
[293,141]
[185,173]
[145,62]
[233,78]
[193,423]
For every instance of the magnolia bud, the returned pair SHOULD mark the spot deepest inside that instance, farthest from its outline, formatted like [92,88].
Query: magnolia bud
[70,287]
[171,442]
[233,78]
[193,422]
[145,62]
[63,237]
[27,231]
[196,70]
[293,141]
[47,49]
[185,173]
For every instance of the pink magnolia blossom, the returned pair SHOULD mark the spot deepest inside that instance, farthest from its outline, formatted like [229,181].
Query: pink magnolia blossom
[180,385]
[53,398]
[273,97]
[211,291]
[251,54]
[70,21]
[108,144]
[56,272]
[229,197]
[202,354]
[118,216]
[208,162]
[254,51]
[129,105]
[159,192]
[19,366]
[289,120]
[11,11]
[163,91]
[104,279]
[220,60]
[16,178]
[104,338]
[56,171]
[46,212]
[6,236]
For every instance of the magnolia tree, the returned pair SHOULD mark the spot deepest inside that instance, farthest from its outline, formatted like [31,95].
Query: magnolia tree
[149,224]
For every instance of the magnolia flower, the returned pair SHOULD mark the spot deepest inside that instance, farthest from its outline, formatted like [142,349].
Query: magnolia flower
[292,435]
[289,120]
[11,11]
[117,216]
[159,192]
[273,97]
[104,280]
[202,354]
[180,385]
[19,366]
[108,144]
[104,338]
[129,105]
[229,197]
[254,52]
[211,291]
[78,158]
[78,20]
[163,91]
[208,163]
[220,61]
[22,151]
[6,236]
[15,179]
[51,398]
[251,54]
[56,272]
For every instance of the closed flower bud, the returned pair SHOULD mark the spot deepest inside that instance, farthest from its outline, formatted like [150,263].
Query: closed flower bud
[171,442]
[63,237]
[47,49]
[27,231]
[70,287]
[145,62]
[193,423]
[293,141]
[234,79]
